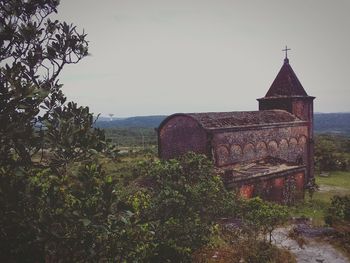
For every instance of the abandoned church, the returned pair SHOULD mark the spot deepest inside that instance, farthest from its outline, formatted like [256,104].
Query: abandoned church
[264,152]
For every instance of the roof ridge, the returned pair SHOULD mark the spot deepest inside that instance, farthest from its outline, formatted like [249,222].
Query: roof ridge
[242,118]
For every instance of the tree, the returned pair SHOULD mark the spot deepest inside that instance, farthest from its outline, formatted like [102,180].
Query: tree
[33,52]
[56,200]
[338,216]
[339,210]
[262,217]
[185,200]
[331,153]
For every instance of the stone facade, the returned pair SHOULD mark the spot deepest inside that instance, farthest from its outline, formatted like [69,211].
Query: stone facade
[181,134]
[285,143]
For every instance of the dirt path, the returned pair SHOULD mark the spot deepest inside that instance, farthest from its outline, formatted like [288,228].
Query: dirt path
[313,251]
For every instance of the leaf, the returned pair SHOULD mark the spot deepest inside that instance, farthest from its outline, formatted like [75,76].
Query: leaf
[85,221]
[129,213]
[124,220]
[92,151]
[76,213]
[109,179]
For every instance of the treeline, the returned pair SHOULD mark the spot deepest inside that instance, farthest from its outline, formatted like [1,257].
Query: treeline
[132,137]
[332,152]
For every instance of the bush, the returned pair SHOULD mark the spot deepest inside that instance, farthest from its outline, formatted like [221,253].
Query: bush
[339,209]
[186,198]
[338,216]
[331,153]
[57,204]
[244,239]
[260,218]
[77,216]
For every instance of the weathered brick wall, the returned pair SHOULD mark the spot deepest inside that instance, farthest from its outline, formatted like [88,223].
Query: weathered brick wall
[275,189]
[287,143]
[300,108]
[179,135]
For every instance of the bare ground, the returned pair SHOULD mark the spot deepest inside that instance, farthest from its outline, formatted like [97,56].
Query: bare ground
[310,246]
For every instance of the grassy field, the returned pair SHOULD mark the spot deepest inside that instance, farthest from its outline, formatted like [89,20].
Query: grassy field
[336,183]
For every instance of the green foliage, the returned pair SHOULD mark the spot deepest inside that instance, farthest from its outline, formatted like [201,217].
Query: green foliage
[34,115]
[339,209]
[261,218]
[69,136]
[79,216]
[315,209]
[246,237]
[338,216]
[332,153]
[336,183]
[185,199]
[132,136]
[33,51]
[56,202]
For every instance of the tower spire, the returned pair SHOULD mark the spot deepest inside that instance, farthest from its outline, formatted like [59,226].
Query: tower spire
[286,60]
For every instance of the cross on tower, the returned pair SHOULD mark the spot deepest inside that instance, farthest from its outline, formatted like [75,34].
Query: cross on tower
[286,50]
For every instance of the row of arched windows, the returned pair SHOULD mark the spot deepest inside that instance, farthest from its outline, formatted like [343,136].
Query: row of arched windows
[287,149]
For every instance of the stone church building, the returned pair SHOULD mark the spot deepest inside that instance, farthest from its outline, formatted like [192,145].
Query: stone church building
[264,152]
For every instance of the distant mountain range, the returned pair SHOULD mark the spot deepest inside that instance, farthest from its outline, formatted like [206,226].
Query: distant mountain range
[131,122]
[338,123]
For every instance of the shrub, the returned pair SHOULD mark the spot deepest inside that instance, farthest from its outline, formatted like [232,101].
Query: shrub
[77,216]
[186,198]
[338,216]
[339,209]
[260,218]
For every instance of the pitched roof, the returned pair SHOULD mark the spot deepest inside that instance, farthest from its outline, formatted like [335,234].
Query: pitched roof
[286,83]
[218,120]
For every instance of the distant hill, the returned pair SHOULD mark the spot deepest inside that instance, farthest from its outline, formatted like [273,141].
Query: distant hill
[338,123]
[132,122]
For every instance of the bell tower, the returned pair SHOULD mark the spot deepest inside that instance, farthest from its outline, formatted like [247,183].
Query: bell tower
[287,93]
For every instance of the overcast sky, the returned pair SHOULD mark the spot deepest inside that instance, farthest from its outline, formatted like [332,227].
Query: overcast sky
[151,57]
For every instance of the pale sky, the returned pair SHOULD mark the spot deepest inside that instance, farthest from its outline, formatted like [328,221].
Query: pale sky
[155,57]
